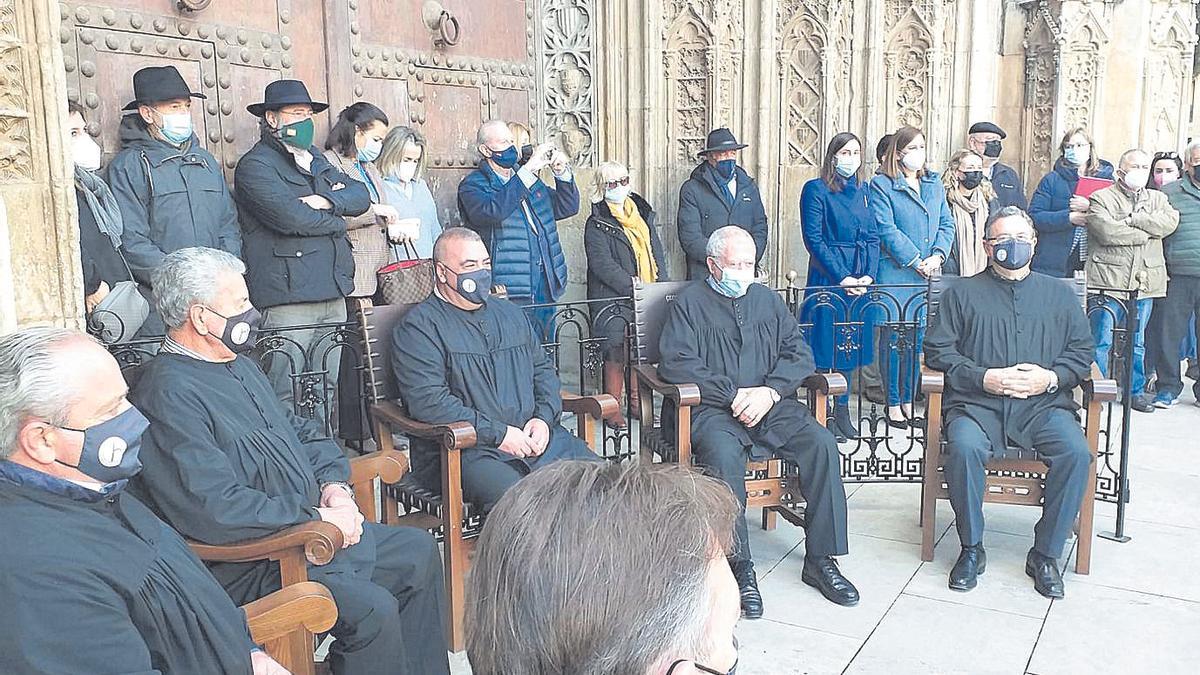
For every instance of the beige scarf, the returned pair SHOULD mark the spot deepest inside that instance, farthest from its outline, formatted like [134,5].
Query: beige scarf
[970,225]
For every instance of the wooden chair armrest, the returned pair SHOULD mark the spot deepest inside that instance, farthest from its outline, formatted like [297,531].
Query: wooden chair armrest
[318,540]
[932,381]
[681,394]
[452,436]
[304,606]
[389,466]
[833,384]
[1096,387]
[599,406]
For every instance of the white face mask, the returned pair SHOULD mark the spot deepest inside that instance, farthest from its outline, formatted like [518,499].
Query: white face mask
[406,171]
[913,160]
[85,152]
[618,194]
[1135,179]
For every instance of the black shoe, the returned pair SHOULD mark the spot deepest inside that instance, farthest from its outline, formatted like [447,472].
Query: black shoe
[1047,580]
[1141,404]
[823,574]
[916,422]
[901,423]
[752,603]
[970,564]
[1193,370]
[843,426]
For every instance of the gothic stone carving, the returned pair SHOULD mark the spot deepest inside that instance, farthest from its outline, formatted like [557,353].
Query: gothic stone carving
[907,69]
[1168,68]
[566,58]
[814,61]
[16,158]
[1082,64]
[1041,44]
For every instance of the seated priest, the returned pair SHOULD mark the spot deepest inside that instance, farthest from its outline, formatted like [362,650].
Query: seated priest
[738,342]
[91,581]
[226,461]
[463,355]
[1013,344]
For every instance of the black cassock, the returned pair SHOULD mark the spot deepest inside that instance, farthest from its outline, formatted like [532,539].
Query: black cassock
[987,322]
[224,461]
[96,583]
[722,345]
[485,367]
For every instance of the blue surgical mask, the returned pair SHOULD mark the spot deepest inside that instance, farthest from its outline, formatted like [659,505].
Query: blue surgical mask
[617,195]
[733,283]
[370,152]
[847,165]
[1012,254]
[506,158]
[176,127]
[1077,156]
[725,169]
[111,449]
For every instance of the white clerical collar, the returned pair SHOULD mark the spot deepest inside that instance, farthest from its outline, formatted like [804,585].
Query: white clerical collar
[94,486]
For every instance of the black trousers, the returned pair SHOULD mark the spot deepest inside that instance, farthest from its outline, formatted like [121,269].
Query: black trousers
[1171,316]
[812,449]
[1057,438]
[486,478]
[390,597]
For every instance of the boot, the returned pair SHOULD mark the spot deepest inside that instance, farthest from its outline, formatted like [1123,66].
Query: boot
[843,426]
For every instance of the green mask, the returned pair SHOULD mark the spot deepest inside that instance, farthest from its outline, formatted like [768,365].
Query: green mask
[297,134]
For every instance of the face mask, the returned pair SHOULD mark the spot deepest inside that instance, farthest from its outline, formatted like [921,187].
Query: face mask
[526,154]
[297,134]
[1013,254]
[176,127]
[474,286]
[406,171]
[733,283]
[913,160]
[506,158]
[85,152]
[1077,156]
[110,449]
[370,151]
[725,169]
[1161,179]
[991,149]
[618,194]
[971,179]
[1136,179]
[847,165]
[241,330]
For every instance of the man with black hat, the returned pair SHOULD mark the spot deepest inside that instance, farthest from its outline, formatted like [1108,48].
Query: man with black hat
[169,188]
[719,193]
[292,201]
[984,140]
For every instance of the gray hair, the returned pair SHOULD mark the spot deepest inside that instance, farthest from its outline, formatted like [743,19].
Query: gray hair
[718,241]
[1193,146]
[485,131]
[449,236]
[613,578]
[189,277]
[393,150]
[1008,212]
[605,172]
[34,380]
[1129,153]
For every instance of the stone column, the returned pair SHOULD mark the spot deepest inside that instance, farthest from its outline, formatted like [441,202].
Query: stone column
[39,249]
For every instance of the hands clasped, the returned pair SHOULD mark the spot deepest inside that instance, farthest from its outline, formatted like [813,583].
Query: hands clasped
[751,404]
[530,441]
[1020,381]
[339,508]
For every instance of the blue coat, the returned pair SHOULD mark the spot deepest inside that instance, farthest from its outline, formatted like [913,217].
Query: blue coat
[1049,209]
[492,207]
[839,233]
[911,227]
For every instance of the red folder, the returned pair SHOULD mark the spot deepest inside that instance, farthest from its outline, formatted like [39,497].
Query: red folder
[1088,184]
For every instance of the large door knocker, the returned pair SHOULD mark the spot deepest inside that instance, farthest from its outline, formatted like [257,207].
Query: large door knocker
[441,23]
[192,5]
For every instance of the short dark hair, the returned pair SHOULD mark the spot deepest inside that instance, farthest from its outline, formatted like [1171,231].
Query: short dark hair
[354,117]
[1164,156]
[593,568]
[74,108]
[882,146]
[450,235]
[1008,212]
[832,179]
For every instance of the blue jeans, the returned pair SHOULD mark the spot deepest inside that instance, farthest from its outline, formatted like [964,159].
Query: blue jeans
[902,363]
[541,318]
[1104,317]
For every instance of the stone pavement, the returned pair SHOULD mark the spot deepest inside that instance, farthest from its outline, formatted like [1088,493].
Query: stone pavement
[1137,612]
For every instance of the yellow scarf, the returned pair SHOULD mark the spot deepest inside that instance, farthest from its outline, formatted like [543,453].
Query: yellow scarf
[639,238]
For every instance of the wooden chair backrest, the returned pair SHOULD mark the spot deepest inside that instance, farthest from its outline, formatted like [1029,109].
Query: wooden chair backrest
[939,284]
[378,323]
[650,305]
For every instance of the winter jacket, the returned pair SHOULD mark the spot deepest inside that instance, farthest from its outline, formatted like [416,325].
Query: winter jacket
[1183,246]
[704,208]
[911,227]
[611,264]
[1125,240]
[1049,209]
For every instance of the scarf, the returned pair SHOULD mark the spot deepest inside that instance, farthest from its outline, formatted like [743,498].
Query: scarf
[639,238]
[970,223]
[102,204]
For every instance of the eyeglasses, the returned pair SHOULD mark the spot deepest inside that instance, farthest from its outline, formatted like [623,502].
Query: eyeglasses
[1005,239]
[612,184]
[705,669]
[1077,145]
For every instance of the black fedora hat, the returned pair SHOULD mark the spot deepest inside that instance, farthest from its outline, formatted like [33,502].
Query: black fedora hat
[720,140]
[159,83]
[285,92]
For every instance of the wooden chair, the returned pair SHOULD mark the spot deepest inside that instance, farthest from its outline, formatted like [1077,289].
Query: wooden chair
[454,521]
[768,483]
[1015,476]
[285,621]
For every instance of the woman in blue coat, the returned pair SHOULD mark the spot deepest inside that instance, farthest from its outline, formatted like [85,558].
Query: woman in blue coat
[1060,215]
[916,233]
[843,253]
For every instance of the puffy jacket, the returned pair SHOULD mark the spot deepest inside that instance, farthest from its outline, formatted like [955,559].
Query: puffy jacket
[295,253]
[492,207]
[170,198]
[704,209]
[1125,240]
[1049,209]
[1183,246]
[611,263]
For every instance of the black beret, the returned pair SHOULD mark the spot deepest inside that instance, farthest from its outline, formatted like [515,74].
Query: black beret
[987,128]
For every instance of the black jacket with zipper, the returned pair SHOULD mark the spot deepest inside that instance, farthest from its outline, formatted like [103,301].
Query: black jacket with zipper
[610,259]
[704,209]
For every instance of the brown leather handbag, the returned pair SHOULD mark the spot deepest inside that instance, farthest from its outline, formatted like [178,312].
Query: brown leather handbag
[406,282]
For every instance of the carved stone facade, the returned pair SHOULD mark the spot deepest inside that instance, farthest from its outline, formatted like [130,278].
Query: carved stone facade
[637,81]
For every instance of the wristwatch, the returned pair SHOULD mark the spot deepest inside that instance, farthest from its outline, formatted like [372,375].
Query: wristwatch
[1053,386]
[345,486]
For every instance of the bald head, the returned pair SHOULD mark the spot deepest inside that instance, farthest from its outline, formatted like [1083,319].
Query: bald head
[495,135]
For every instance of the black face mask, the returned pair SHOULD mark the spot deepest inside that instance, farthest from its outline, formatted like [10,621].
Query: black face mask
[110,449]
[991,149]
[971,179]
[1012,254]
[241,330]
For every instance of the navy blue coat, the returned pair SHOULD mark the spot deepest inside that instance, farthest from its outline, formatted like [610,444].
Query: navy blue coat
[839,233]
[1049,209]
[704,209]
[1008,187]
[911,227]
[492,207]
[295,253]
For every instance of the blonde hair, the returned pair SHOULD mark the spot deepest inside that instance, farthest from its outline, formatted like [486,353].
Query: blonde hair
[605,172]
[392,152]
[950,176]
